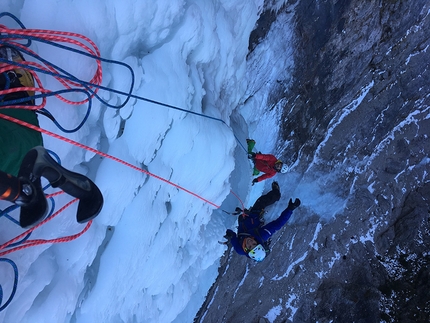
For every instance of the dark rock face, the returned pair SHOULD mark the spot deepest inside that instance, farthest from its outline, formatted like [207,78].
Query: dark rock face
[357,108]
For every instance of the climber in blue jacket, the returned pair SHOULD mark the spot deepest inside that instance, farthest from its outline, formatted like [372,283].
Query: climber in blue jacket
[252,238]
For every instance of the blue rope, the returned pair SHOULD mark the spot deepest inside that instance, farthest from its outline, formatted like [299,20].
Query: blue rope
[6,211]
[87,85]
[55,156]
[7,84]
[8,14]
[11,208]
[15,284]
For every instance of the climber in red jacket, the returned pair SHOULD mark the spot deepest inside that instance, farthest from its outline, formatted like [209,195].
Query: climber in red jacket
[265,163]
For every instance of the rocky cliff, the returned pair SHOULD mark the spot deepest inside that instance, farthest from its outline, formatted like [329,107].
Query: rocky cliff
[356,107]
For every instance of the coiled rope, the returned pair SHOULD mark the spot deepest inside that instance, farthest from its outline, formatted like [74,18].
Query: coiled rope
[66,78]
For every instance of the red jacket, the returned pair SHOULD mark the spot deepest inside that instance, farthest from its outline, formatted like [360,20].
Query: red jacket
[266,164]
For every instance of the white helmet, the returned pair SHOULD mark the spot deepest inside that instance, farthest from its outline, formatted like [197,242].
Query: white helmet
[284,169]
[258,253]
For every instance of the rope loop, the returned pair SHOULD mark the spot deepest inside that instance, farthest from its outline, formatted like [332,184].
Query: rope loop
[15,284]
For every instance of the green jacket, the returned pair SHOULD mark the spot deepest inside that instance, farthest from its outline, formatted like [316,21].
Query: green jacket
[16,140]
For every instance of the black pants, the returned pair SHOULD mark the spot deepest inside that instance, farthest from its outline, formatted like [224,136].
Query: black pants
[265,200]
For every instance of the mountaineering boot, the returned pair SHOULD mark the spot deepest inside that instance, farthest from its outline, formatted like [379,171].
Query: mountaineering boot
[34,207]
[275,186]
[251,144]
[39,163]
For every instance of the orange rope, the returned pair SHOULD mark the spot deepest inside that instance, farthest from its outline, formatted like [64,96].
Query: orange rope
[243,206]
[46,132]
[36,242]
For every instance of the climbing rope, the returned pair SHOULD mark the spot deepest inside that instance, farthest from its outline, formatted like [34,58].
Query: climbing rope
[46,132]
[16,244]
[243,206]
[7,37]
[15,284]
[36,242]
[25,243]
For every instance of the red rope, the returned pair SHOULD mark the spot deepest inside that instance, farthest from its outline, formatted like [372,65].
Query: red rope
[54,194]
[243,206]
[46,132]
[36,242]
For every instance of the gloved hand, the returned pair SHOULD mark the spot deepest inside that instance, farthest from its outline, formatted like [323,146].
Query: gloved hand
[292,206]
[229,234]
[254,181]
[251,155]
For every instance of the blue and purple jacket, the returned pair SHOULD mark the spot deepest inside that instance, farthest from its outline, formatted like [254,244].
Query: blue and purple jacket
[250,226]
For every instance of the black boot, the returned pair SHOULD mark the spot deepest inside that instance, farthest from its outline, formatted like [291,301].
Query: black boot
[39,163]
[26,193]
[34,207]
